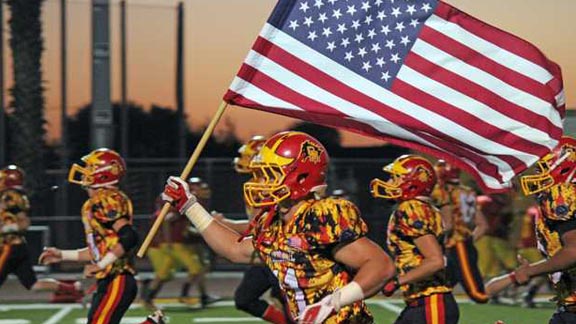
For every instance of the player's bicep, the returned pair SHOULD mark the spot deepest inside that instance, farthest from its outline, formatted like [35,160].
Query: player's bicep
[430,248]
[244,251]
[357,253]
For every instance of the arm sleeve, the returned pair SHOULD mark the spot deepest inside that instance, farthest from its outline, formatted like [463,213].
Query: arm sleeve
[336,221]
[128,237]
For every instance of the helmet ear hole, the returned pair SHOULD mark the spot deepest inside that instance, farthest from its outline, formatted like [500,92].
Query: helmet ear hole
[301,178]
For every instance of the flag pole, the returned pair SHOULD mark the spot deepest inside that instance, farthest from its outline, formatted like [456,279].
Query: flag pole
[187,169]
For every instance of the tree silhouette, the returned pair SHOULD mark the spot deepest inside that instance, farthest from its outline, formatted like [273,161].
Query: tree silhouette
[26,113]
[152,134]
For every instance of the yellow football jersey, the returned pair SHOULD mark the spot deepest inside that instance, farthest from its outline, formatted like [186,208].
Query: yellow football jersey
[14,201]
[558,207]
[106,203]
[299,253]
[462,202]
[412,219]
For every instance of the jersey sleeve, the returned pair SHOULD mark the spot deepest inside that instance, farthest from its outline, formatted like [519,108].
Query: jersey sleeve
[334,221]
[416,218]
[110,205]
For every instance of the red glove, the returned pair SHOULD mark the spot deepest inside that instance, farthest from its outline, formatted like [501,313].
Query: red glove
[177,192]
[390,287]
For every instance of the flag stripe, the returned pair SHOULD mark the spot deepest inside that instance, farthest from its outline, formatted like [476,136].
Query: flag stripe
[242,86]
[535,107]
[469,109]
[418,96]
[528,86]
[352,107]
[514,52]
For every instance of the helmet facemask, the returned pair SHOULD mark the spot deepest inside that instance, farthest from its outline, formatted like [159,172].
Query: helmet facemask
[550,172]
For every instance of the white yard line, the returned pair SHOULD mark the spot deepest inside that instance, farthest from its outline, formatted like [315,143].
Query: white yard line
[56,318]
[388,305]
[226,319]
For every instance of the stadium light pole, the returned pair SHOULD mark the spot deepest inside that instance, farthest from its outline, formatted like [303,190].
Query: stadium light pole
[101,116]
[180,82]
[124,121]
[63,206]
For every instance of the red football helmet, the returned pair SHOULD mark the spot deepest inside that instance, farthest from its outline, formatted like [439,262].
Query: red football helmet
[103,167]
[11,177]
[447,173]
[290,165]
[247,153]
[554,168]
[410,176]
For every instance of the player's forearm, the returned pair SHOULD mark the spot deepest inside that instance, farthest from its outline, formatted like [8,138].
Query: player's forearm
[219,237]
[373,274]
[238,226]
[496,285]
[84,255]
[427,268]
[565,258]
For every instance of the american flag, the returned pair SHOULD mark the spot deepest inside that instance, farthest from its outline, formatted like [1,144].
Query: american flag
[419,74]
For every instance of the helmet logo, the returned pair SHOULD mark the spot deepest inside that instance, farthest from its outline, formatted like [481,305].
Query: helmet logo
[424,175]
[311,152]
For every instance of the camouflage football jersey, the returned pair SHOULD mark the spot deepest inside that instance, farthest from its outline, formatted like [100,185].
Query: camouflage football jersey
[12,202]
[462,200]
[412,219]
[299,253]
[106,203]
[558,205]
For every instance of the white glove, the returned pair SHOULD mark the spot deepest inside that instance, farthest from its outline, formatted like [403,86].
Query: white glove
[317,313]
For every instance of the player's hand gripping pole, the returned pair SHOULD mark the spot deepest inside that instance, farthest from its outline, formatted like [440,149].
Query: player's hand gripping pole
[187,169]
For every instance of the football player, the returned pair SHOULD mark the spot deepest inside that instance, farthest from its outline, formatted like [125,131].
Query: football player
[310,243]
[110,237]
[463,224]
[415,237]
[554,187]
[257,278]
[14,254]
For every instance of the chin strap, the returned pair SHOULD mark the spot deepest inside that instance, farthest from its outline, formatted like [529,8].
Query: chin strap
[268,213]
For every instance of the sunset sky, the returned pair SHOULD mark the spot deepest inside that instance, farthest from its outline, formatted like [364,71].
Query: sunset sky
[219,34]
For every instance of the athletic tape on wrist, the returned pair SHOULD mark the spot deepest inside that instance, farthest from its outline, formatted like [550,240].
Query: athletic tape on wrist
[347,295]
[199,217]
[107,260]
[70,255]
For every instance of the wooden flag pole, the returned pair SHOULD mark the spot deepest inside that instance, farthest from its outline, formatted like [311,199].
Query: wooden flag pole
[187,169]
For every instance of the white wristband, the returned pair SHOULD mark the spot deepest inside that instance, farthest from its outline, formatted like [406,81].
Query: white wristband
[347,295]
[70,255]
[107,260]
[199,217]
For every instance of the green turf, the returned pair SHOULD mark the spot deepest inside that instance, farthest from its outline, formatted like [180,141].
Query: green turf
[469,314]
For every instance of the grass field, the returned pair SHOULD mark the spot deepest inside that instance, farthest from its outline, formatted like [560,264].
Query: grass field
[385,311]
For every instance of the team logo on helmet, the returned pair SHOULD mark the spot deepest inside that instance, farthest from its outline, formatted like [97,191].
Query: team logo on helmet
[311,152]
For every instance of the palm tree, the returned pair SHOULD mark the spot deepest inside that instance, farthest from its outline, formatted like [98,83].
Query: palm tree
[26,118]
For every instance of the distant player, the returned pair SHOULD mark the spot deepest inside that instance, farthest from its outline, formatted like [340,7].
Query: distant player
[110,237]
[14,254]
[174,247]
[315,246]
[415,236]
[464,224]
